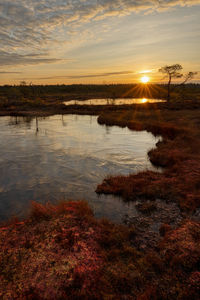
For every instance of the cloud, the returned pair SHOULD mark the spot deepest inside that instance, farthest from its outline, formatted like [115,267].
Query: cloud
[5,72]
[87,76]
[102,75]
[147,71]
[36,24]
[26,59]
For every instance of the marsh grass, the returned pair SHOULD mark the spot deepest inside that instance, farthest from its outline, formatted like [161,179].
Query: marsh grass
[62,252]
[178,152]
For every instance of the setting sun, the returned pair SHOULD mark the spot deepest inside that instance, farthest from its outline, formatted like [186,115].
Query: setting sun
[144,79]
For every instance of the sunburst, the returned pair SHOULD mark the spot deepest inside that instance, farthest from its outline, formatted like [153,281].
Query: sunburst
[145,79]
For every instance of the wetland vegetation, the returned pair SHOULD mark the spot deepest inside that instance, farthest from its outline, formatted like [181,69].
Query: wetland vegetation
[49,99]
[61,251]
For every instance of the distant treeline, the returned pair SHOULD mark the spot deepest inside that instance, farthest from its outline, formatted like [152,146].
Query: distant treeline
[63,92]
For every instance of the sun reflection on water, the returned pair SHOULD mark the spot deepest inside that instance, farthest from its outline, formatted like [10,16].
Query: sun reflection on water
[144,100]
[117,101]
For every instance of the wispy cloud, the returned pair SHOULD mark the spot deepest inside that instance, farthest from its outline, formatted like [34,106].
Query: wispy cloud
[147,71]
[5,72]
[32,24]
[26,59]
[87,75]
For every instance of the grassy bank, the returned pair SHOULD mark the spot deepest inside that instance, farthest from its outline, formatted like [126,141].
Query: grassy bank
[62,252]
[178,152]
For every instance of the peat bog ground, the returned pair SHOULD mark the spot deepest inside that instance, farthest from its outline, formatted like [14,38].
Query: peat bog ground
[63,252]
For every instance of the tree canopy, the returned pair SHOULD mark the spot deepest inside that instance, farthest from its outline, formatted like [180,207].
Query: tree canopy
[173,71]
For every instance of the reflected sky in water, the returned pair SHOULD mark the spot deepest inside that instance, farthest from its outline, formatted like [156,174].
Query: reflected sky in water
[121,101]
[65,157]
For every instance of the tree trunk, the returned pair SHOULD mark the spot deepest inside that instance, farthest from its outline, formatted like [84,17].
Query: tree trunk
[168,89]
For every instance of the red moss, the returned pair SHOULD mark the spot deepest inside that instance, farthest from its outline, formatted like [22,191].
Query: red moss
[62,252]
[194,285]
[51,255]
[182,186]
[181,247]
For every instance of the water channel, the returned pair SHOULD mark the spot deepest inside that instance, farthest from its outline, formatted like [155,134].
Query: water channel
[118,101]
[66,157]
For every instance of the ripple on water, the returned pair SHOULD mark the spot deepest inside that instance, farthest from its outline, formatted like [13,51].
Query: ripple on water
[66,157]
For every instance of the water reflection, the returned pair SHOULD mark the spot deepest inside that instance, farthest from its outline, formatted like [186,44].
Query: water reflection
[37,127]
[144,100]
[18,121]
[65,157]
[122,101]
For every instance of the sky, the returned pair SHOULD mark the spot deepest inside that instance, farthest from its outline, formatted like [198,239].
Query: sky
[96,41]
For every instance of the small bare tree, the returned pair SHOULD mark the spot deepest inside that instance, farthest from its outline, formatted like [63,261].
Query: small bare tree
[171,72]
[22,83]
[188,76]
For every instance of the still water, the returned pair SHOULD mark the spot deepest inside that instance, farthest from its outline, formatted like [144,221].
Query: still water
[66,157]
[122,101]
